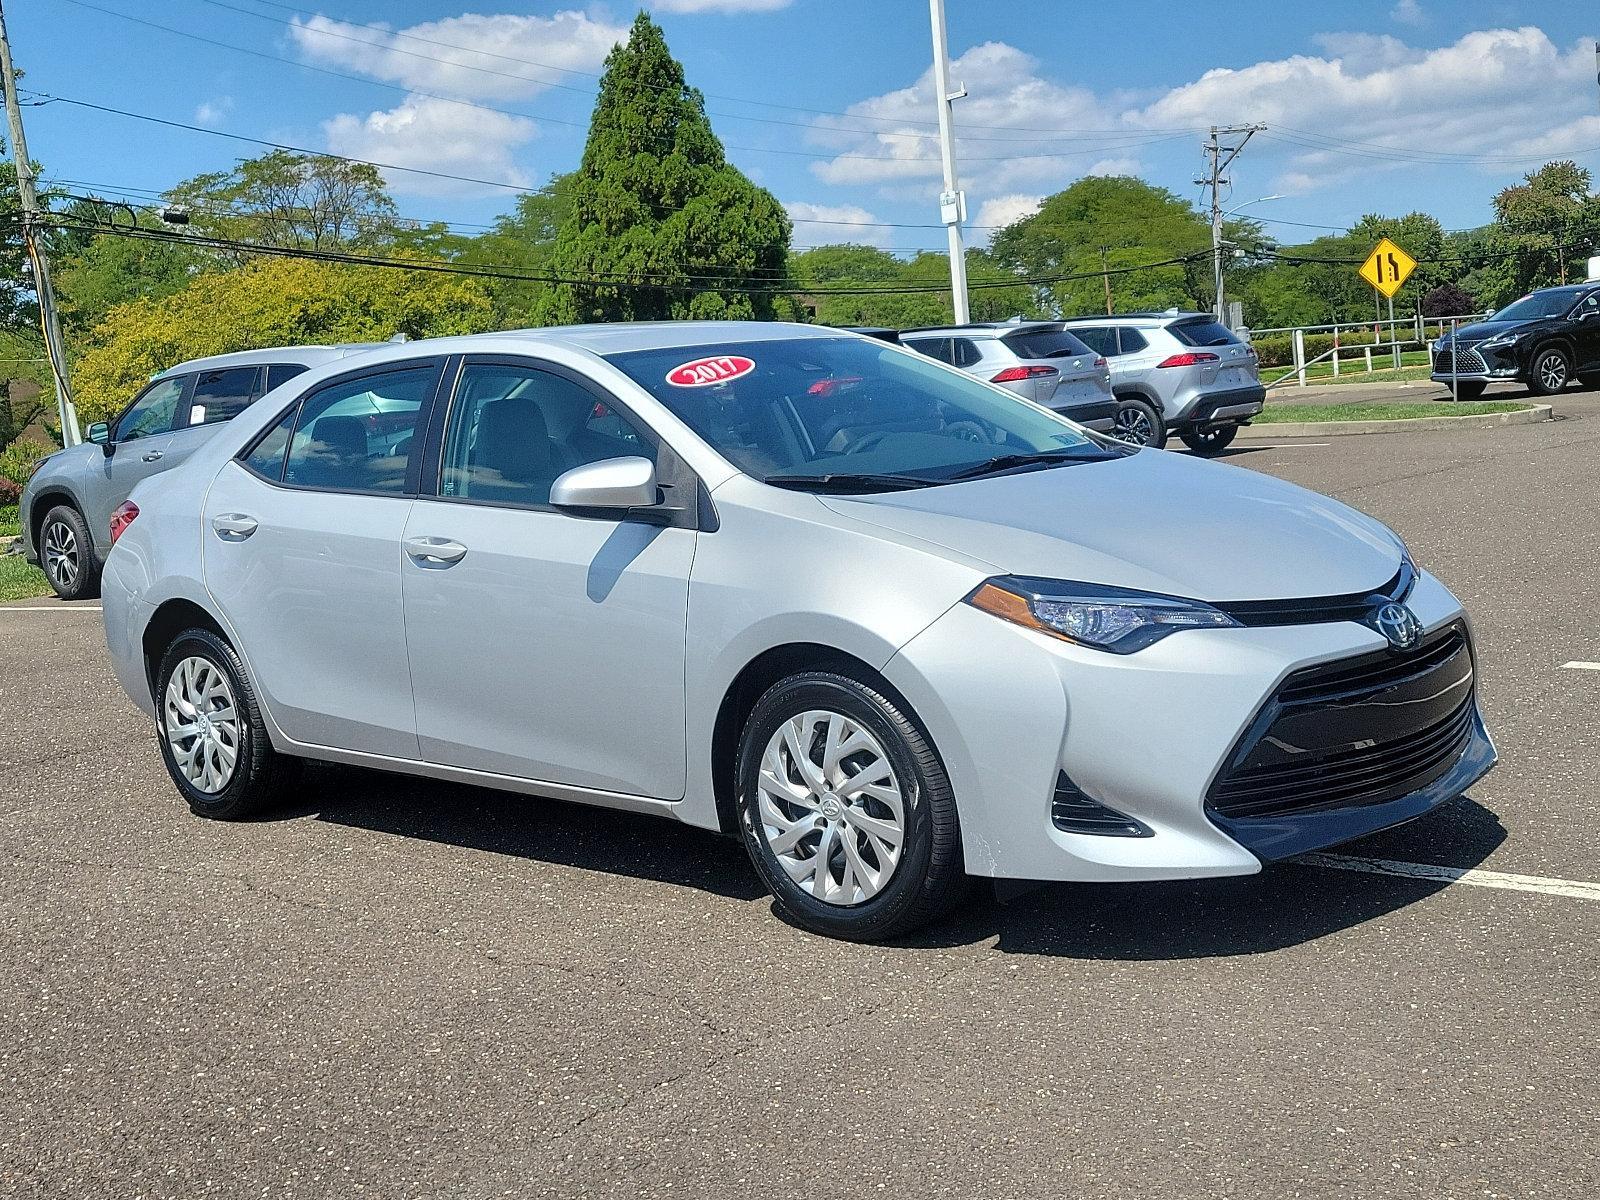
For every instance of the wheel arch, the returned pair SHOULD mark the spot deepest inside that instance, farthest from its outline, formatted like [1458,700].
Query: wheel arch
[1138,391]
[748,686]
[170,619]
[52,495]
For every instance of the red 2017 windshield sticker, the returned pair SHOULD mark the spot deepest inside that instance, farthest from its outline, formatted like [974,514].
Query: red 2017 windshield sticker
[706,372]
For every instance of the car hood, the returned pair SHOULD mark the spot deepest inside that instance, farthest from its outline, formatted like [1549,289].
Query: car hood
[1482,330]
[1155,521]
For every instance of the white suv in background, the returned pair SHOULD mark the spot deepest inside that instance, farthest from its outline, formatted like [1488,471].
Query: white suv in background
[1176,372]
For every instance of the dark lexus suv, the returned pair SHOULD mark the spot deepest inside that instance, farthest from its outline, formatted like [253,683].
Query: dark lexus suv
[1545,340]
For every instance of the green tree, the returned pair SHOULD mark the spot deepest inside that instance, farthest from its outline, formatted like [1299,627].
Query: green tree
[655,199]
[838,267]
[269,302]
[300,201]
[104,270]
[1117,223]
[526,240]
[1548,223]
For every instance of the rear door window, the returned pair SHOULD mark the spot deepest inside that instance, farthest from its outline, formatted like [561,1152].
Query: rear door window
[966,352]
[940,348]
[222,394]
[1203,332]
[1101,341]
[1132,341]
[359,435]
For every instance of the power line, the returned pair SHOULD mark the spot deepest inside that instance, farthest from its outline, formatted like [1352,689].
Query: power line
[636,280]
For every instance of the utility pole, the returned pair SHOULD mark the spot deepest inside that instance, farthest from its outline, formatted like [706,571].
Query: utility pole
[31,236]
[1105,277]
[952,203]
[1220,157]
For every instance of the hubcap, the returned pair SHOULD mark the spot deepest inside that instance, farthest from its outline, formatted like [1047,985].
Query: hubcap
[830,807]
[1553,371]
[201,724]
[61,554]
[1131,425]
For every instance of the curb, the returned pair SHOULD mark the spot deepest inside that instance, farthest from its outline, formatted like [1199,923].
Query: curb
[1283,429]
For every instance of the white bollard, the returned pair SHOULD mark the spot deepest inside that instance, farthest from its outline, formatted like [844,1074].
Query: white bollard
[1300,355]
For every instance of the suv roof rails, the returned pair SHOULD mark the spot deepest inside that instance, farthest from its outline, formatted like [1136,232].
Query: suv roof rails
[1007,326]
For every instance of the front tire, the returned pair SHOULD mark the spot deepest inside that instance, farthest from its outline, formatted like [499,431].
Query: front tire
[66,552]
[210,732]
[1550,374]
[1138,423]
[846,810]
[1210,441]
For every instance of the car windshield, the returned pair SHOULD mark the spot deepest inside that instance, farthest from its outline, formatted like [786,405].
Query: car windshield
[1535,306]
[823,411]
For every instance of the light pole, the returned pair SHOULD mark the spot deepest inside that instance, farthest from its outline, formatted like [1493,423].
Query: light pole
[1217,249]
[951,202]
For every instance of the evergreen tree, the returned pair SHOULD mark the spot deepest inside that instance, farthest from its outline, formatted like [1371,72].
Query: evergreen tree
[656,200]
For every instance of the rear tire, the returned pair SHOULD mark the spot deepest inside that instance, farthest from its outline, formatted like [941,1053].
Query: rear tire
[1550,374]
[66,552]
[862,862]
[210,733]
[1138,423]
[1466,390]
[1210,441]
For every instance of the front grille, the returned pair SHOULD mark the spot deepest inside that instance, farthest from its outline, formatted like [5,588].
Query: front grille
[1353,732]
[1462,360]
[1072,811]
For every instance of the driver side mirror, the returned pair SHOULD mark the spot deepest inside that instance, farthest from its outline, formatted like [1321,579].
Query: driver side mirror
[616,484]
[100,434]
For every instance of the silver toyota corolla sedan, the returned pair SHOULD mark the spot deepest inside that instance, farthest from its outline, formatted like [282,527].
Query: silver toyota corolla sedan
[761,578]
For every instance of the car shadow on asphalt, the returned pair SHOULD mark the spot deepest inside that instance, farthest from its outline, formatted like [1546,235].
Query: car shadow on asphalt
[1286,905]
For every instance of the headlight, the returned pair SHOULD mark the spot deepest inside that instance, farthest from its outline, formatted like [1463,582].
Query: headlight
[1091,614]
[1505,339]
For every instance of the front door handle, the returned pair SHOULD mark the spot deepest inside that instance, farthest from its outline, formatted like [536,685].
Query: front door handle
[434,551]
[153,456]
[233,527]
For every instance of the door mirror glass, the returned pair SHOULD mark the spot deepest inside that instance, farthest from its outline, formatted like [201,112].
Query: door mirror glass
[614,483]
[99,433]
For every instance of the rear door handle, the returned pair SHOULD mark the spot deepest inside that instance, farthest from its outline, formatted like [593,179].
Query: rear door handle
[233,527]
[435,551]
[153,456]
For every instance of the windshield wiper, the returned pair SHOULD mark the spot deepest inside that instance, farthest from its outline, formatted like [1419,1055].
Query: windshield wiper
[846,482]
[1007,462]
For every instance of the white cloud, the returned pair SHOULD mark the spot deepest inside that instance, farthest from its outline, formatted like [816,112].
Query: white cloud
[480,57]
[1497,92]
[1007,103]
[1409,12]
[718,6]
[435,135]
[1000,211]
[213,112]
[824,224]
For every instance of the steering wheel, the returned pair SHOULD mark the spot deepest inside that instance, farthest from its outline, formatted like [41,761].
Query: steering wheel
[865,442]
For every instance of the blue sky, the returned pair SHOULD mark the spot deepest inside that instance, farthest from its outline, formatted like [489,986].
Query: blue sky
[1371,105]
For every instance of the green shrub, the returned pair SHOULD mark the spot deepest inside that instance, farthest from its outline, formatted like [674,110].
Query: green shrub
[17,459]
[1278,350]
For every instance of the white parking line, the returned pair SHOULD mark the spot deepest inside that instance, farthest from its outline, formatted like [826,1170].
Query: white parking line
[1571,888]
[49,608]
[1581,666]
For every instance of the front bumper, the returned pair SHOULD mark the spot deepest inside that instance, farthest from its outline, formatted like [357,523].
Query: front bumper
[30,552]
[1474,362]
[1146,735]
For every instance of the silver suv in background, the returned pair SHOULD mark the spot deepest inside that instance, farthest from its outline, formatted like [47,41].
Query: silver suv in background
[1176,372]
[67,504]
[1038,360]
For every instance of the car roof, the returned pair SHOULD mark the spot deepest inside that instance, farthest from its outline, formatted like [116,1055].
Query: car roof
[996,328]
[1141,318]
[305,356]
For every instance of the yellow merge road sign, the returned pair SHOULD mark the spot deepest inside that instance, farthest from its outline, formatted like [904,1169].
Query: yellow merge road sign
[1388,267]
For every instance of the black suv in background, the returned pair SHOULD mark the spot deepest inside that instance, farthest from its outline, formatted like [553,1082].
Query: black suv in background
[1545,340]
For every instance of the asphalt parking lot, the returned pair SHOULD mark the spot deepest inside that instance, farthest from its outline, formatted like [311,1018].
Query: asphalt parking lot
[405,989]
